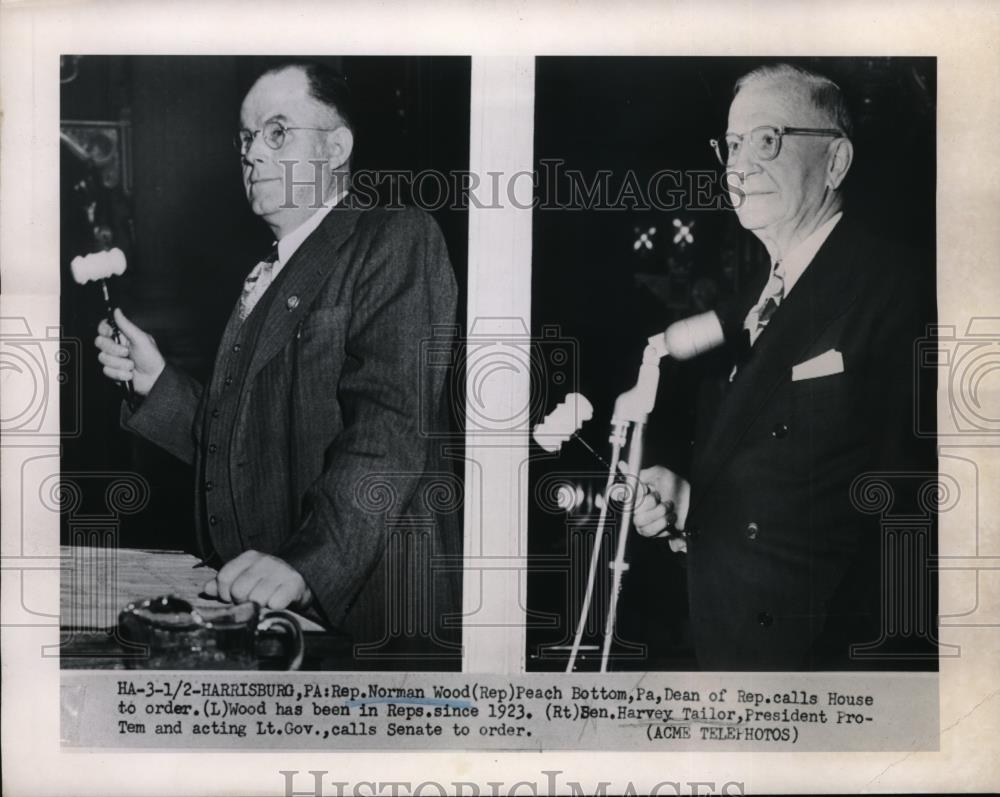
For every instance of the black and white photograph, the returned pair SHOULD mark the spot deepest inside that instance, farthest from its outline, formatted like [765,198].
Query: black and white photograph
[499,399]
[255,438]
[762,476]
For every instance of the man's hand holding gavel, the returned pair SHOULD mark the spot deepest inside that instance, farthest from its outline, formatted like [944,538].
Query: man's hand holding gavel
[137,359]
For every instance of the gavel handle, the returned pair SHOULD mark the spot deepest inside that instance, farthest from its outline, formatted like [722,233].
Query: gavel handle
[127,387]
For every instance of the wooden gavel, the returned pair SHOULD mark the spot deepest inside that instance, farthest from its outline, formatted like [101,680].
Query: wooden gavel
[100,267]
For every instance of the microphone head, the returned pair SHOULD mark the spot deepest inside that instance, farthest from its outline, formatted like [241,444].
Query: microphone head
[563,422]
[693,336]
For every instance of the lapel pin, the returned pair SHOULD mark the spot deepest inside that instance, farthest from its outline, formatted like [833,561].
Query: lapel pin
[292,303]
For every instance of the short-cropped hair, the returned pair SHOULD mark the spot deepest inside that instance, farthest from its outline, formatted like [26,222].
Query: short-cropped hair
[826,96]
[326,85]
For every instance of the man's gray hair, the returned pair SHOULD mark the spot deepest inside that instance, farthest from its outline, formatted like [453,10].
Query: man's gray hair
[825,95]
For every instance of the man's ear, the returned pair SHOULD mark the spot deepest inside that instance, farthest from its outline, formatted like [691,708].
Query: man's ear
[839,162]
[340,145]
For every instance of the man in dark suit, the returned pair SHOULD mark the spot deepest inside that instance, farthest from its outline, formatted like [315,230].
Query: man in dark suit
[312,435]
[783,558]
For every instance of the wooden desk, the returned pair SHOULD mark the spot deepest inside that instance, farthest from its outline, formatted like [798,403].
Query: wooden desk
[97,583]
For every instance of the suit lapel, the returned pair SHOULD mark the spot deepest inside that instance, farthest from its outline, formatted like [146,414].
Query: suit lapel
[823,293]
[307,270]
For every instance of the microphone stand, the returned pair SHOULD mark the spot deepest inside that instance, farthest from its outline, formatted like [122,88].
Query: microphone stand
[631,411]
[619,433]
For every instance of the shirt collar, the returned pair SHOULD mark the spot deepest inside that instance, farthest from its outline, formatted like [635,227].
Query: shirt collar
[795,263]
[288,245]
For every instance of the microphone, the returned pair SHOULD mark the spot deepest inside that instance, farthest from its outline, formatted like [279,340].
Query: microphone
[689,337]
[682,340]
[563,422]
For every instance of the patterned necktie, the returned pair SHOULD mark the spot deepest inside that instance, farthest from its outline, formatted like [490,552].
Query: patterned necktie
[761,313]
[257,282]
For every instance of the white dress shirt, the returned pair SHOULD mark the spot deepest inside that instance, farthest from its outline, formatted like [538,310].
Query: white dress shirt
[795,263]
[288,245]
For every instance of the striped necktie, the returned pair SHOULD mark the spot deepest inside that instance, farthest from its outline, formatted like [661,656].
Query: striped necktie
[257,282]
[760,314]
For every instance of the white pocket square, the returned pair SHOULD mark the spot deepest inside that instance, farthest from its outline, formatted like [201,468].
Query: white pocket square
[825,364]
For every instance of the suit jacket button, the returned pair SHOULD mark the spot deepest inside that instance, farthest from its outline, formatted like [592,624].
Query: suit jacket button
[292,303]
[213,520]
[764,620]
[229,381]
[689,532]
[215,413]
[779,430]
[752,530]
[208,486]
[212,448]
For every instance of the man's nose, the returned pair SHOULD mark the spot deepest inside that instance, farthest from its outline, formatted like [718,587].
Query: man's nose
[257,149]
[744,163]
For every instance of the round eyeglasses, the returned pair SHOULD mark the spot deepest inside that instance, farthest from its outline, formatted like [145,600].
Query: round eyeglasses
[273,133]
[765,142]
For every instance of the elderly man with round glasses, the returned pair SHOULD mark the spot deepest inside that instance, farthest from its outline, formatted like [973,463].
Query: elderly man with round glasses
[784,558]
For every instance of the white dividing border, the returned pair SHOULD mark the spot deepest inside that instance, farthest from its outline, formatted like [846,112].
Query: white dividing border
[501,143]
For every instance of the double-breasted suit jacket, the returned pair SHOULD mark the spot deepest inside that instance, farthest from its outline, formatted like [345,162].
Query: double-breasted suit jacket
[784,565]
[316,439]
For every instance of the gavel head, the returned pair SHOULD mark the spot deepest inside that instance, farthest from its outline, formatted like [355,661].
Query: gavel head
[98,266]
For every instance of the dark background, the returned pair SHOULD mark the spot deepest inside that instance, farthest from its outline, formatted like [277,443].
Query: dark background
[188,234]
[606,297]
